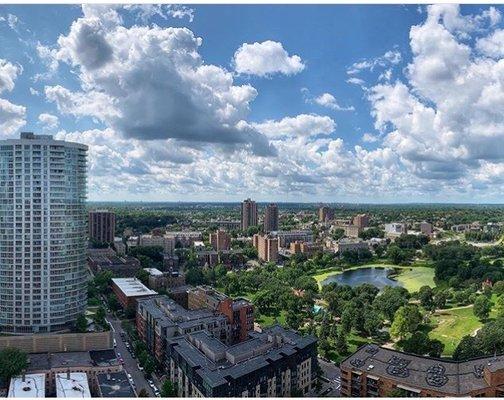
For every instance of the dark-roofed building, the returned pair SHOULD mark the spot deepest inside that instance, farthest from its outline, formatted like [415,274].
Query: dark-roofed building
[114,384]
[89,362]
[374,371]
[273,363]
[122,266]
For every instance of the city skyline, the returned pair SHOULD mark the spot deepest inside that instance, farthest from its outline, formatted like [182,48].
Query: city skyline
[290,103]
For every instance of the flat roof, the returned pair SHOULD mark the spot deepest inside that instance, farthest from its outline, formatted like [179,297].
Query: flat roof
[32,385]
[74,384]
[153,271]
[132,287]
[435,374]
[115,384]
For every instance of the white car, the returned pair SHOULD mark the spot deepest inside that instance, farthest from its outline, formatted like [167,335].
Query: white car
[140,368]
[115,343]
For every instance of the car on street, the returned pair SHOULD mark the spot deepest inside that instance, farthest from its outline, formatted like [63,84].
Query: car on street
[140,368]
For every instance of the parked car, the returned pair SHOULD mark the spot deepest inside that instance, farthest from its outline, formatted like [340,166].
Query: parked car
[140,368]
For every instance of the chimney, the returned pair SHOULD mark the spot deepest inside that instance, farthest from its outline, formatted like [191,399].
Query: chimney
[23,377]
[68,374]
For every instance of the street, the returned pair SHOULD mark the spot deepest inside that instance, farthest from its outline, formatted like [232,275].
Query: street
[331,382]
[130,364]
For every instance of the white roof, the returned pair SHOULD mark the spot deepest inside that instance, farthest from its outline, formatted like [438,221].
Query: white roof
[199,244]
[76,386]
[153,271]
[132,287]
[33,385]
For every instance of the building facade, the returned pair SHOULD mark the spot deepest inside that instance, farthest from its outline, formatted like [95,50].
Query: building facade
[101,226]
[374,371]
[271,218]
[43,229]
[325,214]
[239,312]
[267,247]
[361,220]
[273,363]
[220,240]
[248,214]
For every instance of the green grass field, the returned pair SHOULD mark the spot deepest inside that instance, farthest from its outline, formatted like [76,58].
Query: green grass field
[452,325]
[266,321]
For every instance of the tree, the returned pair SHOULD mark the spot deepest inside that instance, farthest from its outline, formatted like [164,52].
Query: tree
[397,392]
[440,299]
[372,322]
[341,342]
[420,343]
[324,347]
[12,362]
[500,306]
[390,300]
[168,389]
[482,307]
[406,321]
[81,323]
[498,287]
[467,348]
[143,393]
[142,275]
[426,297]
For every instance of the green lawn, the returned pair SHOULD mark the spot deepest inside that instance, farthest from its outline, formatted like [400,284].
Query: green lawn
[416,277]
[452,325]
[266,321]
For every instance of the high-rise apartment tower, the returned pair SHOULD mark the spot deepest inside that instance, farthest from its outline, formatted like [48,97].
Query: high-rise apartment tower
[43,228]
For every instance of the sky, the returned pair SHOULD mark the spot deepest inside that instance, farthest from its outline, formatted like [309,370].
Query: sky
[303,103]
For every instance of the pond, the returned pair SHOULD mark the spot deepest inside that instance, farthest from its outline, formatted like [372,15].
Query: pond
[377,276]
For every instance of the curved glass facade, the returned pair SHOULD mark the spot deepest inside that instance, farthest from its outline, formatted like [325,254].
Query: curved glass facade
[43,227]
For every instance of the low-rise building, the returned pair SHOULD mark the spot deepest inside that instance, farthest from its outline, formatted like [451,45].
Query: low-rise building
[122,266]
[27,386]
[185,238]
[285,238]
[374,371]
[229,258]
[91,363]
[120,246]
[346,244]
[166,242]
[72,384]
[395,229]
[426,228]
[164,280]
[227,225]
[114,384]
[129,290]
[131,242]
[273,363]
[304,248]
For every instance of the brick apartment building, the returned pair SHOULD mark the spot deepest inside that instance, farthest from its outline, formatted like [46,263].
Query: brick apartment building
[374,371]
[220,240]
[102,226]
[267,247]
[239,312]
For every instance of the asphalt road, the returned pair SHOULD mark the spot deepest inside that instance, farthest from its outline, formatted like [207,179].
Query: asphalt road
[130,364]
[332,374]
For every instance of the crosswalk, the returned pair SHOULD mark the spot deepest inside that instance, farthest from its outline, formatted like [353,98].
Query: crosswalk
[337,382]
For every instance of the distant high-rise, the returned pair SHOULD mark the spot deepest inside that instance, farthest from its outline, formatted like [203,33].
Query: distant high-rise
[102,226]
[43,229]
[220,240]
[361,220]
[325,214]
[248,214]
[271,218]
[267,247]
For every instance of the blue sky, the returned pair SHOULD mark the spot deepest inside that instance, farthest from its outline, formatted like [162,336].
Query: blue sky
[277,102]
